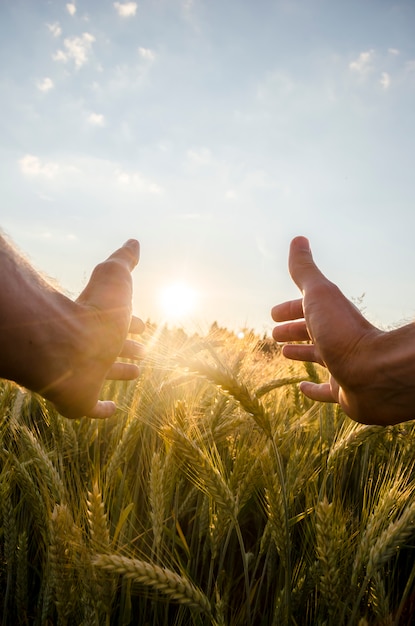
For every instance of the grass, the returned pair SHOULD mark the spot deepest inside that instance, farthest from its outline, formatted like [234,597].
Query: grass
[217,495]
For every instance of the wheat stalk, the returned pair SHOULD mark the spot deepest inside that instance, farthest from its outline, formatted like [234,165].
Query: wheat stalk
[351,440]
[225,379]
[157,499]
[22,597]
[40,459]
[277,383]
[174,586]
[201,469]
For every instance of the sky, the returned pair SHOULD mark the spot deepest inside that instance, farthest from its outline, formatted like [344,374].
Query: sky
[213,131]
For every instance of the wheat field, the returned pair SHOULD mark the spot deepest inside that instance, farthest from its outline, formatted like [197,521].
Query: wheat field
[217,495]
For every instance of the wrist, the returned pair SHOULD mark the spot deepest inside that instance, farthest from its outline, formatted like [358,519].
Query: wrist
[384,393]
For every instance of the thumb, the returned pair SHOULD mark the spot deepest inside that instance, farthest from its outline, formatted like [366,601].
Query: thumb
[110,285]
[303,270]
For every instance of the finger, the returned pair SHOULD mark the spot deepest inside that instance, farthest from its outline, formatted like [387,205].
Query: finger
[123,371]
[292,331]
[102,410]
[291,310]
[110,285]
[137,326]
[302,268]
[132,350]
[321,392]
[128,254]
[302,352]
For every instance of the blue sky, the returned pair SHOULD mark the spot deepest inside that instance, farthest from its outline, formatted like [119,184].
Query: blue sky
[213,131]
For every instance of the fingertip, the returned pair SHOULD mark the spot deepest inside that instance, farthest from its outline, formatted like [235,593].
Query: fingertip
[301,243]
[133,244]
[130,251]
[103,410]
[137,326]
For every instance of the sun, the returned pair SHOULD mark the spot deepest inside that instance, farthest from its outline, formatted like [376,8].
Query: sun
[178,300]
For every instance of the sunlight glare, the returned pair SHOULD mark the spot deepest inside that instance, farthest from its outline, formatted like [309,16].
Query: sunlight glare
[178,300]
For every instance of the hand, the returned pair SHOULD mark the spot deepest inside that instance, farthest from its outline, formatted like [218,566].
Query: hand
[102,315]
[342,340]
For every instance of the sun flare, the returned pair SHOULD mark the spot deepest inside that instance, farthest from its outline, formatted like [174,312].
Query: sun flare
[178,300]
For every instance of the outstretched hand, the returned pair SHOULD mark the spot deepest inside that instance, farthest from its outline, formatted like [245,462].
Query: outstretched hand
[337,336]
[62,349]
[105,310]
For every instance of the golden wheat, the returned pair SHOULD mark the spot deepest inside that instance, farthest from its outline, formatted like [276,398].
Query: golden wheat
[176,587]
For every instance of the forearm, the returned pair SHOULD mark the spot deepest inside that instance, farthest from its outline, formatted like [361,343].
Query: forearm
[27,307]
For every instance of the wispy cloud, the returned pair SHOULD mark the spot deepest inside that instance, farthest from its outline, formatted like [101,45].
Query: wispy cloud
[201,156]
[45,85]
[146,53]
[394,51]
[231,195]
[55,29]
[71,8]
[385,80]
[126,9]
[136,181]
[363,64]
[32,166]
[96,119]
[77,49]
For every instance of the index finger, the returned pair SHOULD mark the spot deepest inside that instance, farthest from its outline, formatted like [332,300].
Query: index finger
[290,310]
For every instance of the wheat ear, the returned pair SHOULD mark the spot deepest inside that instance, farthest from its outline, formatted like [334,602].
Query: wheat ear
[176,587]
[97,518]
[201,469]
[226,380]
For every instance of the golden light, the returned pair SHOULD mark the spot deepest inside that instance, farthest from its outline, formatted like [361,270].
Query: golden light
[178,300]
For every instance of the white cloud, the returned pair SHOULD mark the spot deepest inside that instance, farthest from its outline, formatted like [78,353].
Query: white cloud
[71,8]
[88,172]
[31,165]
[136,181]
[202,156]
[96,119]
[231,194]
[55,29]
[385,80]
[146,53]
[362,65]
[77,49]
[126,9]
[393,51]
[45,85]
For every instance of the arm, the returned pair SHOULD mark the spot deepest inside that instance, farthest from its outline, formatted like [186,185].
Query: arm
[62,349]
[371,372]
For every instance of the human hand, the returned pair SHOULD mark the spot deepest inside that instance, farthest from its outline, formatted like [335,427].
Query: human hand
[341,339]
[101,319]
